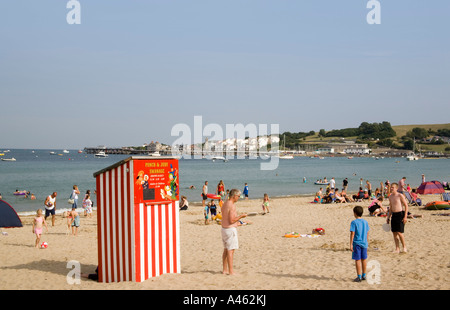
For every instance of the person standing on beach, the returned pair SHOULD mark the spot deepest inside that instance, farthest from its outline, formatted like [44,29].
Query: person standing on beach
[50,206]
[74,196]
[332,184]
[38,223]
[75,222]
[204,194]
[220,189]
[345,185]
[369,188]
[359,236]
[266,204]
[246,191]
[401,185]
[399,217]
[230,220]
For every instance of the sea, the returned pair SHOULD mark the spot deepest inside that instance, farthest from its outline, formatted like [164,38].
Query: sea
[41,173]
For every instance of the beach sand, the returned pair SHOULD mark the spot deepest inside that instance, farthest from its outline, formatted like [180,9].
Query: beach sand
[265,260]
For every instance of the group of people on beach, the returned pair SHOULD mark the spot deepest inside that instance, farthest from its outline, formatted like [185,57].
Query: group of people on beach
[359,229]
[210,208]
[364,192]
[72,216]
[396,214]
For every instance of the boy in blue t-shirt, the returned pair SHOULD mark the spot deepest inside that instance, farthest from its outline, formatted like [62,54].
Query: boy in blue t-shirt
[245,192]
[359,234]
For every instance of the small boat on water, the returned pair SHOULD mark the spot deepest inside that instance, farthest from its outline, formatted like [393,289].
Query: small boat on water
[155,154]
[66,151]
[101,154]
[52,153]
[286,157]
[322,183]
[9,159]
[214,158]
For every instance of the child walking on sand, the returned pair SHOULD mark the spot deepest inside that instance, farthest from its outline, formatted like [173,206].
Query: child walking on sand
[75,222]
[38,223]
[87,205]
[265,204]
[359,234]
[206,213]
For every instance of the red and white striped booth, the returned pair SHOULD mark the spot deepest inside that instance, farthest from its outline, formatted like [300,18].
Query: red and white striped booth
[138,219]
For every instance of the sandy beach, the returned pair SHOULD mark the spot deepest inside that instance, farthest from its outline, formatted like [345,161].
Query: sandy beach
[266,260]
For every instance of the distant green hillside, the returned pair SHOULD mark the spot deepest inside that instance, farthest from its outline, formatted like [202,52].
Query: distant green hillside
[375,134]
[401,130]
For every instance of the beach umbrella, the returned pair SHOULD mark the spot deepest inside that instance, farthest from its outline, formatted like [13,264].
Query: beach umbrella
[431,187]
[8,216]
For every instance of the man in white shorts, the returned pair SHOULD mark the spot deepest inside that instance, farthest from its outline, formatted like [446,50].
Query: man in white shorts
[230,221]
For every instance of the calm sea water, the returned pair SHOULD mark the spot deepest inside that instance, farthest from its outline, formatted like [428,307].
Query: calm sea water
[42,173]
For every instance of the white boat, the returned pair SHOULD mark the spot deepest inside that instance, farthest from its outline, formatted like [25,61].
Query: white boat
[66,151]
[155,154]
[412,157]
[52,153]
[214,158]
[286,157]
[9,159]
[101,154]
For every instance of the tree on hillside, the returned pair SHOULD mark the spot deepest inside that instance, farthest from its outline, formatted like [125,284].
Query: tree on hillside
[443,132]
[376,130]
[417,133]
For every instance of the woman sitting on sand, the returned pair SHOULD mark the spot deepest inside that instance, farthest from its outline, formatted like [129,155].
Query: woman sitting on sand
[347,198]
[376,207]
[338,197]
[184,205]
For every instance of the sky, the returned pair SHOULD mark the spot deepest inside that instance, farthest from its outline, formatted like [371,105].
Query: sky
[132,69]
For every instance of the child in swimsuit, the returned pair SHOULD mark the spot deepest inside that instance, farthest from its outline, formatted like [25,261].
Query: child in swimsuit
[75,221]
[265,204]
[38,223]
[87,205]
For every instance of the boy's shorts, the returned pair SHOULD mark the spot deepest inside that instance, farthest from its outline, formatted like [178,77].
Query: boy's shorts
[230,238]
[359,252]
[397,224]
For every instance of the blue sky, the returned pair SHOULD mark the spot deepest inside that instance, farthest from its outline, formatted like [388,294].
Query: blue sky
[133,69]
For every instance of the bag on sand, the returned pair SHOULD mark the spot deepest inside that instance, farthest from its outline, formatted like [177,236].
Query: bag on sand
[318,231]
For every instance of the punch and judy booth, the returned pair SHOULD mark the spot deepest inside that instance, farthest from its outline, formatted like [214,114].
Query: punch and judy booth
[138,219]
